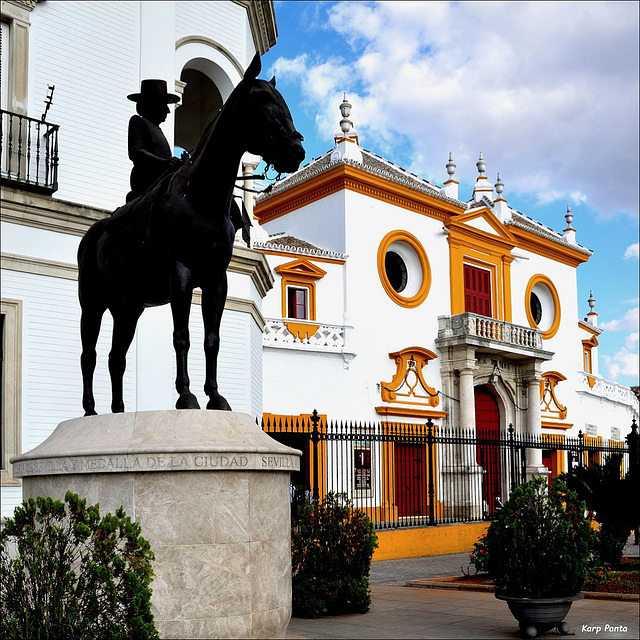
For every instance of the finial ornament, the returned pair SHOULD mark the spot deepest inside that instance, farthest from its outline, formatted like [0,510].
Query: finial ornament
[499,186]
[568,217]
[345,110]
[451,166]
[481,164]
[592,300]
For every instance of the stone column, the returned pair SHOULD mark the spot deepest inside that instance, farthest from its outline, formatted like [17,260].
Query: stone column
[467,400]
[534,425]
[210,490]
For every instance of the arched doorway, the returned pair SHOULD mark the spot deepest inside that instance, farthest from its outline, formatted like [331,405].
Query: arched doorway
[201,101]
[487,448]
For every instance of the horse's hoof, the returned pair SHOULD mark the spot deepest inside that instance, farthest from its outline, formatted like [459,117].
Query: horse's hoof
[90,412]
[187,401]
[218,403]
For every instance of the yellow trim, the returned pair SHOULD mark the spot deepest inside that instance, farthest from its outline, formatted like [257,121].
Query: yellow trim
[550,407]
[301,330]
[557,455]
[547,248]
[276,422]
[587,356]
[479,248]
[592,381]
[344,176]
[303,274]
[414,243]
[546,424]
[410,359]
[555,325]
[428,541]
[407,412]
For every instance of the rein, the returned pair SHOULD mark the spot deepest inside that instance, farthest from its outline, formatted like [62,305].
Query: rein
[259,176]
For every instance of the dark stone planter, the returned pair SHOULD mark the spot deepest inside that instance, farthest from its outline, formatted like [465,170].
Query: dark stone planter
[536,616]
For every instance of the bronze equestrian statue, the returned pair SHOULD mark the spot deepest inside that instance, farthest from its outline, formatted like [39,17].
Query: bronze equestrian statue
[177,236]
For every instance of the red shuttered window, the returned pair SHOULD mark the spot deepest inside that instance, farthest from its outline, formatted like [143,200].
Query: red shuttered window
[477,290]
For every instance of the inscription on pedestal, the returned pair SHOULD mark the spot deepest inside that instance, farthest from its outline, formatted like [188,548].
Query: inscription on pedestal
[155,462]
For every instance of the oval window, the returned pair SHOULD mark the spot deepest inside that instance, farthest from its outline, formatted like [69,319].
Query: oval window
[404,269]
[542,305]
[396,271]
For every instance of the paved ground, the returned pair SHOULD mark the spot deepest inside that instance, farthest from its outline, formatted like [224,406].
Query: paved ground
[399,611]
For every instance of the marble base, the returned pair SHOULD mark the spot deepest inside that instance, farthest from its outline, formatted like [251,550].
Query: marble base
[211,492]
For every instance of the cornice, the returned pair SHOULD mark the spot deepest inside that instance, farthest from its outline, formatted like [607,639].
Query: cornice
[548,247]
[341,176]
[262,21]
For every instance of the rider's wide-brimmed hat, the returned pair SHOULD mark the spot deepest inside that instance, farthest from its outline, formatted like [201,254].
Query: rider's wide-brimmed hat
[155,91]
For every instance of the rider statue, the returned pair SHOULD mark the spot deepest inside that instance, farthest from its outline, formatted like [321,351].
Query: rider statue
[148,148]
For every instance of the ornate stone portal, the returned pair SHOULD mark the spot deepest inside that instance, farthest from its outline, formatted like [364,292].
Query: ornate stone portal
[211,492]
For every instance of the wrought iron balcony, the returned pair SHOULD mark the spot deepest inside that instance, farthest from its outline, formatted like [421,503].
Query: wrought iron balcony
[28,152]
[490,335]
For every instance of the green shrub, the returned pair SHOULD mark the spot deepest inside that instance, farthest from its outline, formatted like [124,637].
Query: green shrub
[66,573]
[332,546]
[539,544]
[611,498]
[480,554]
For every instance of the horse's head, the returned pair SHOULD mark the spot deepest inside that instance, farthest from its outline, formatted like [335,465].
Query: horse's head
[268,123]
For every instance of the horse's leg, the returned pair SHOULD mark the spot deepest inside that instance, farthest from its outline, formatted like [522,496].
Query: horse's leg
[90,321]
[181,294]
[125,321]
[214,296]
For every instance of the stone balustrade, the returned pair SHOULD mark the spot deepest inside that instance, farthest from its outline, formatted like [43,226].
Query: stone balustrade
[477,330]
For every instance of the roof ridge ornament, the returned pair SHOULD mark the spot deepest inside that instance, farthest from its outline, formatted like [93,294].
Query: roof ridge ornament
[346,139]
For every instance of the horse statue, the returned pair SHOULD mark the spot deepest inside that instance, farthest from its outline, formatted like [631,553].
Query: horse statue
[177,236]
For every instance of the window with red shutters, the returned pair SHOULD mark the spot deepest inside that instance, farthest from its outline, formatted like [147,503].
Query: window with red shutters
[297,303]
[477,290]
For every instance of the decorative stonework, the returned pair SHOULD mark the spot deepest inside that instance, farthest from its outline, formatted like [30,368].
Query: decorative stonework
[408,385]
[210,491]
[550,408]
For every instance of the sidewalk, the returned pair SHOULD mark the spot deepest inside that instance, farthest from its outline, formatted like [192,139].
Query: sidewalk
[399,611]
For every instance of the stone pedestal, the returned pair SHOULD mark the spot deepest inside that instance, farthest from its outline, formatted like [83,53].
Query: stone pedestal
[211,492]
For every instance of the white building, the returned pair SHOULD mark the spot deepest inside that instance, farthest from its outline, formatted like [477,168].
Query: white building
[369,293]
[58,179]
[399,300]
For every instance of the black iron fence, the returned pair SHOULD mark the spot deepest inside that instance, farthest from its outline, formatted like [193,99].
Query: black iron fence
[28,152]
[419,474]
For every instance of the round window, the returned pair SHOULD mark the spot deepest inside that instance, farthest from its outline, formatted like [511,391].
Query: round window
[396,271]
[536,308]
[404,269]
[542,305]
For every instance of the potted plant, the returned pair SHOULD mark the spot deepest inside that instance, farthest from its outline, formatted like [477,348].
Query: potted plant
[538,547]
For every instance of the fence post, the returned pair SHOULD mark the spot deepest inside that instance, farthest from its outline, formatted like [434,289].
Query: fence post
[634,450]
[512,458]
[315,438]
[431,490]
[580,448]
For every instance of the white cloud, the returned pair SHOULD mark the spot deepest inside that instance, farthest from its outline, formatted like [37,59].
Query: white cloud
[632,251]
[623,363]
[628,322]
[548,92]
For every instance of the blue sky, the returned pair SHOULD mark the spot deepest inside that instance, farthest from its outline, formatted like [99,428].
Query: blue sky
[548,91]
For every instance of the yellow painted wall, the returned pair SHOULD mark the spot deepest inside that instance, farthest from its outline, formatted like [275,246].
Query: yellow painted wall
[427,541]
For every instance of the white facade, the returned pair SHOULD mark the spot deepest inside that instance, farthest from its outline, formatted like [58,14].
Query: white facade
[355,206]
[97,53]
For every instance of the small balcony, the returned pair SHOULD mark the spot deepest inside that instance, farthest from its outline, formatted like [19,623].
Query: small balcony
[305,335]
[28,152]
[491,336]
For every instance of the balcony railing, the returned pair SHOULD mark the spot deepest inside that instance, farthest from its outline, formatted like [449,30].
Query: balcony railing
[328,336]
[492,334]
[28,152]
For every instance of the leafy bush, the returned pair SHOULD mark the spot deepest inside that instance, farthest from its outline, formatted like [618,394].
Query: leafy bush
[539,544]
[332,546]
[67,573]
[611,497]
[480,554]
